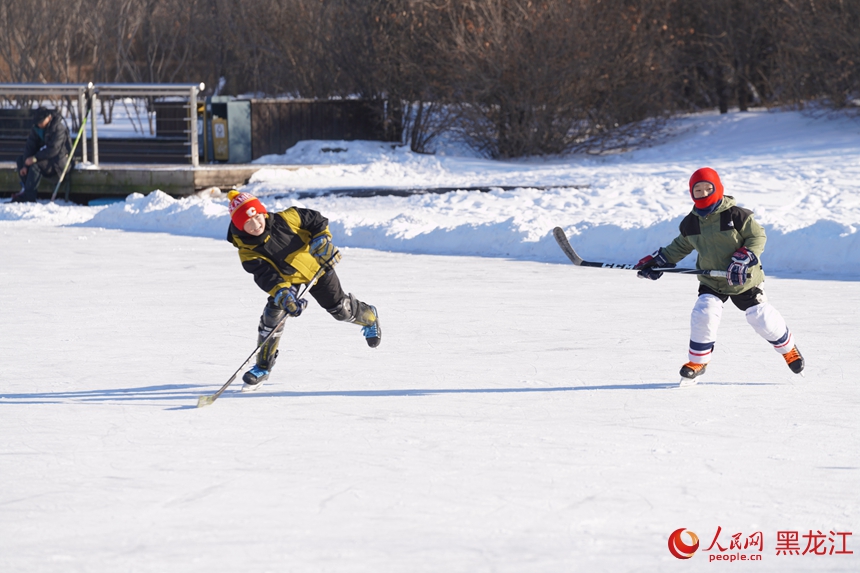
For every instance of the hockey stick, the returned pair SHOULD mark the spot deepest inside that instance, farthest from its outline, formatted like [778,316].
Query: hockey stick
[206,400]
[69,161]
[565,245]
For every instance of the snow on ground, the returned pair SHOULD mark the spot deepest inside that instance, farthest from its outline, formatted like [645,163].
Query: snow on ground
[520,415]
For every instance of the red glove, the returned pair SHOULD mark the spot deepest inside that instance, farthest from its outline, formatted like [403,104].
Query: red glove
[655,259]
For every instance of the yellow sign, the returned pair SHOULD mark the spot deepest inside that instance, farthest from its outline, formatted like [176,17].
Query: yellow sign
[220,143]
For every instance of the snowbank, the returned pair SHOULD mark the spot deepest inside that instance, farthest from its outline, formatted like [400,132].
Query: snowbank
[797,173]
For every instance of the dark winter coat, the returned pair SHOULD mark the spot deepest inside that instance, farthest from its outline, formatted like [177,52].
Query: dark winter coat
[280,257]
[52,144]
[715,238]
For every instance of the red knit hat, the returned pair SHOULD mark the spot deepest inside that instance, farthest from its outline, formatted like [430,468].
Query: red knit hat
[243,206]
[709,175]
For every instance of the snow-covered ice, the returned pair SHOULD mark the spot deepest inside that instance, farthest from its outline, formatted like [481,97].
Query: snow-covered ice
[520,414]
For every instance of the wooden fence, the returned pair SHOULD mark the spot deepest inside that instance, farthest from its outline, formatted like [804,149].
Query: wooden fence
[277,125]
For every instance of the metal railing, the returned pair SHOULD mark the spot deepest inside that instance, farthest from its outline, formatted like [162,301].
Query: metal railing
[88,97]
[82,91]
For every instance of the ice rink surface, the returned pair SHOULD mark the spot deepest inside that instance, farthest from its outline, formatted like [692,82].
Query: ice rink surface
[518,416]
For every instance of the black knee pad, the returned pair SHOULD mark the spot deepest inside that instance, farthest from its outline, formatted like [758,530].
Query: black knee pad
[272,315]
[270,318]
[268,353]
[345,311]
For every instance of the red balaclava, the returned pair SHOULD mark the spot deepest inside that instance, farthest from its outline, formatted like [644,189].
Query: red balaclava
[709,175]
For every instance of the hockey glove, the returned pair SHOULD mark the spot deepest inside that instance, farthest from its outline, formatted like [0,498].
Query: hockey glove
[324,251]
[646,264]
[286,299]
[742,259]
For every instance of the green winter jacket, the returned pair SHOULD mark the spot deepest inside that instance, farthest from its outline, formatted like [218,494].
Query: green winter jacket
[715,238]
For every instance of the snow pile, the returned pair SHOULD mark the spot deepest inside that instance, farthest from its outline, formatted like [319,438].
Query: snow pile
[355,164]
[796,172]
[159,212]
[330,152]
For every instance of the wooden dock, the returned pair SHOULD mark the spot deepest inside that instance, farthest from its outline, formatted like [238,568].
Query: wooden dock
[120,180]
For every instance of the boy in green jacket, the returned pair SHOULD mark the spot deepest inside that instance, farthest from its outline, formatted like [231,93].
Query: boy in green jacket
[726,237]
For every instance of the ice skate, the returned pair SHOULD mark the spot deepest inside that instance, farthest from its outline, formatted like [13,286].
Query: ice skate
[254,378]
[690,373]
[373,332]
[794,360]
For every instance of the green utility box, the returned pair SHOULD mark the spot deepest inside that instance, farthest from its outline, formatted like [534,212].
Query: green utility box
[226,130]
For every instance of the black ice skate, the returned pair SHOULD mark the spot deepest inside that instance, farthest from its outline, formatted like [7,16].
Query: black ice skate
[254,378]
[690,373]
[794,360]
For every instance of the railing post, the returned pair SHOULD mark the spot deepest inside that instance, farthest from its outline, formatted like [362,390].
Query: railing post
[192,117]
[83,100]
[94,123]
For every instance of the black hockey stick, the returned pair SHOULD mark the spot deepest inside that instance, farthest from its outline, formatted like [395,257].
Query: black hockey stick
[565,245]
[206,400]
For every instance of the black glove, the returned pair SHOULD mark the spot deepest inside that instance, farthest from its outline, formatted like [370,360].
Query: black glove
[742,259]
[655,259]
[286,299]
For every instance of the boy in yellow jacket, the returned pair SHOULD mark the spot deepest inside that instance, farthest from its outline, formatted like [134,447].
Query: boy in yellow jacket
[284,250]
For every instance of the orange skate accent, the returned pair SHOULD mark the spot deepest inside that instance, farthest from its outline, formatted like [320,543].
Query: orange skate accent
[694,367]
[690,371]
[791,356]
[794,359]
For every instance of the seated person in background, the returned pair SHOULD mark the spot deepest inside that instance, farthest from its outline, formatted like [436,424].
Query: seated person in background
[45,153]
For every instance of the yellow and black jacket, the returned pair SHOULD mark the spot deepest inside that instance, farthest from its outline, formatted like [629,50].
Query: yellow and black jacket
[280,257]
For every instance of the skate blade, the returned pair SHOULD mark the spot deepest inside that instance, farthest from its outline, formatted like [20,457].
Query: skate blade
[251,387]
[687,382]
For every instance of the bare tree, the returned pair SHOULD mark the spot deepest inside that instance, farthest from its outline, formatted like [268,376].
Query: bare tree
[519,77]
[545,77]
[821,52]
[38,39]
[38,44]
[728,50]
[397,56]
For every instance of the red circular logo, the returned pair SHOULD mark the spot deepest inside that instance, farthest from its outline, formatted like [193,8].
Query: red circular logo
[680,549]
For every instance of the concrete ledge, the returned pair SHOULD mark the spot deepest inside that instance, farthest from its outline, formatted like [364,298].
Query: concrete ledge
[115,180]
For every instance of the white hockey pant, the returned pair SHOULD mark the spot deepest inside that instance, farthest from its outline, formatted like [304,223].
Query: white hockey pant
[705,320]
